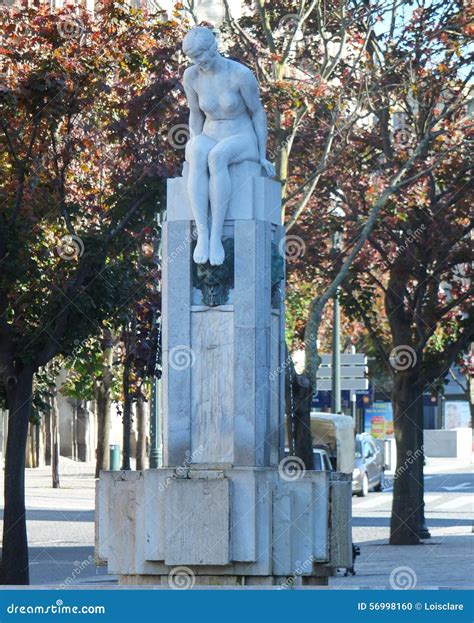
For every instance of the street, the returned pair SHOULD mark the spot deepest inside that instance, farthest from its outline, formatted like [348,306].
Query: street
[61,532]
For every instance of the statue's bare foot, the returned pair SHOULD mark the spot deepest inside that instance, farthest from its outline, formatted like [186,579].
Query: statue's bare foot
[217,253]
[201,252]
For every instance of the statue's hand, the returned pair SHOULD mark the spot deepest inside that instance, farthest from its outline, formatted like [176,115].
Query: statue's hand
[268,166]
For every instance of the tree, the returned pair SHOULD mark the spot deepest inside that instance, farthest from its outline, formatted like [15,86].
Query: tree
[83,107]
[422,251]
[404,237]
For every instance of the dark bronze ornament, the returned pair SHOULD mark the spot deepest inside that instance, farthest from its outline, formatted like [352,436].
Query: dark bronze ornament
[216,281]
[278,273]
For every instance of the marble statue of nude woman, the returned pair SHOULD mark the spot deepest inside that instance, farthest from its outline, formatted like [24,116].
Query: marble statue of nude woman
[227,125]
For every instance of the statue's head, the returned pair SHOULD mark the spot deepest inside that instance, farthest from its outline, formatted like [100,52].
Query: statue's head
[200,47]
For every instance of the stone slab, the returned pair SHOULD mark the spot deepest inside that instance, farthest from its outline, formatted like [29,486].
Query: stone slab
[122,534]
[102,489]
[197,522]
[178,357]
[320,517]
[212,386]
[341,523]
[300,524]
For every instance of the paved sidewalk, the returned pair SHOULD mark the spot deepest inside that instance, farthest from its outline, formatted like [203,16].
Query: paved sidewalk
[444,561]
[438,465]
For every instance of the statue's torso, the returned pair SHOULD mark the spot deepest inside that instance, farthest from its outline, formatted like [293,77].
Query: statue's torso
[221,101]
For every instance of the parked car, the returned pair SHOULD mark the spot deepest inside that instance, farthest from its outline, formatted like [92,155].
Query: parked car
[321,459]
[322,462]
[369,465]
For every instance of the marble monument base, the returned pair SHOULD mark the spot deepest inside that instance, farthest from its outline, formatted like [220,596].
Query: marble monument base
[242,526]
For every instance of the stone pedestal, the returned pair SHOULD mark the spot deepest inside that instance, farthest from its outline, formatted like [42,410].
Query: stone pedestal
[220,505]
[223,393]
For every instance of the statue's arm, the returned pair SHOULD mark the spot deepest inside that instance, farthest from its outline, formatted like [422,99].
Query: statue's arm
[196,116]
[250,94]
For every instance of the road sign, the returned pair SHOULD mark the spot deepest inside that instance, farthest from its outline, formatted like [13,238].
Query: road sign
[353,372]
[324,385]
[346,359]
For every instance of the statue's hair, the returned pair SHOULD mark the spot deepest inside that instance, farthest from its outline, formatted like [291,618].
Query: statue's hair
[201,38]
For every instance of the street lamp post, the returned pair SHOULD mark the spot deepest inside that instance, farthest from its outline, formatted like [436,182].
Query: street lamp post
[154,457]
[336,342]
[155,432]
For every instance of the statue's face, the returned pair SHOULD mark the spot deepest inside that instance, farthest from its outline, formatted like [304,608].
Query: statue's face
[203,58]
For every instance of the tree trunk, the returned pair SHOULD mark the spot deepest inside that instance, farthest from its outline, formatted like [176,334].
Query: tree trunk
[299,395]
[15,541]
[29,456]
[40,447]
[423,533]
[126,416]
[407,400]
[103,404]
[141,434]
[55,443]
[103,429]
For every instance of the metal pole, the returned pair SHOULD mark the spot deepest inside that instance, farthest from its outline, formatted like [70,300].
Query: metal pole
[155,432]
[155,455]
[336,358]
[353,396]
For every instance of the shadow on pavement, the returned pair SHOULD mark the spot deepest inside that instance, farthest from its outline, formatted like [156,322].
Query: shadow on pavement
[64,566]
[40,514]
[384,522]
